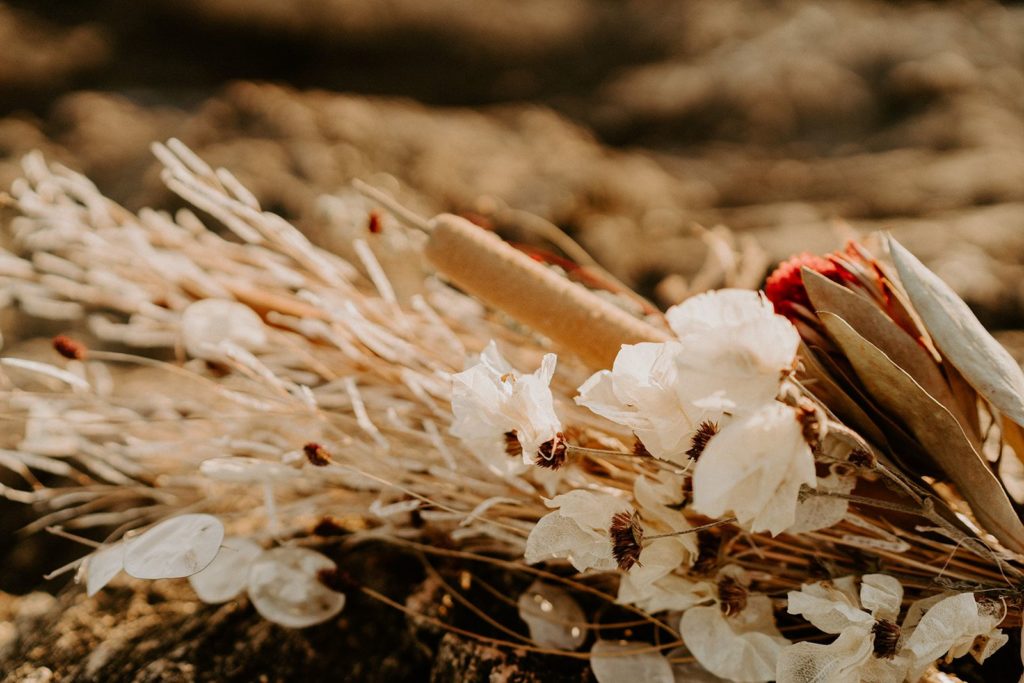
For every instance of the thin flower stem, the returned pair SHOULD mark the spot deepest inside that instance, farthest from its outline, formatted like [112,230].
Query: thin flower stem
[702,527]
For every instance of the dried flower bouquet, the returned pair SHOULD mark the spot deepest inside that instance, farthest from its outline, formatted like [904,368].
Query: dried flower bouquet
[820,482]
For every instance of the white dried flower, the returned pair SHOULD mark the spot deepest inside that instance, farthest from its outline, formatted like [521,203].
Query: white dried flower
[872,645]
[754,469]
[643,391]
[736,637]
[578,529]
[870,642]
[953,627]
[493,404]
[732,353]
[735,347]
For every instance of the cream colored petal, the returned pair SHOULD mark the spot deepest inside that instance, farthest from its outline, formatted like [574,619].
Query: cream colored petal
[742,648]
[881,595]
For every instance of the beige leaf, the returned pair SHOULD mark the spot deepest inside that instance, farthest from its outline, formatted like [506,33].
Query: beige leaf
[960,336]
[937,430]
[871,323]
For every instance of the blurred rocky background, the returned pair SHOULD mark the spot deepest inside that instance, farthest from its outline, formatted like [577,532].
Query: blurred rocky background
[628,123]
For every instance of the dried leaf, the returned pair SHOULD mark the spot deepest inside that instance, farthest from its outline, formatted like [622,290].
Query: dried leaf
[937,430]
[961,337]
[823,385]
[871,323]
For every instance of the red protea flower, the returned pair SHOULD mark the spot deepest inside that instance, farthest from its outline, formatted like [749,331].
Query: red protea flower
[785,286]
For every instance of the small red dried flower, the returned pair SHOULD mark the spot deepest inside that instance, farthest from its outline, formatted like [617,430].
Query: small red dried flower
[317,455]
[68,347]
[785,286]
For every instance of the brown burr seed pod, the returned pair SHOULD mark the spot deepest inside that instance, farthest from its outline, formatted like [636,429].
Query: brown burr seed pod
[483,265]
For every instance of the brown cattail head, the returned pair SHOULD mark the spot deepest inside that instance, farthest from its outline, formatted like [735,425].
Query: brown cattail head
[552,453]
[317,455]
[68,347]
[732,596]
[699,441]
[887,639]
[627,539]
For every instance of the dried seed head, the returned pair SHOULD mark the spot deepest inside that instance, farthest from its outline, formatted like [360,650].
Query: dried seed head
[627,539]
[705,430]
[810,423]
[887,639]
[732,596]
[68,347]
[640,450]
[708,546]
[512,445]
[316,454]
[552,453]
[861,458]
[374,223]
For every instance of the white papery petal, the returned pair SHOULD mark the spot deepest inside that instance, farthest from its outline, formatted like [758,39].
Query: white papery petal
[742,365]
[207,323]
[225,577]
[832,606]
[671,593]
[639,392]
[744,647]
[284,587]
[754,468]
[659,502]
[951,626]
[841,661]
[821,512]
[716,310]
[553,616]
[174,548]
[102,566]
[611,666]
[881,595]
[578,530]
[245,470]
